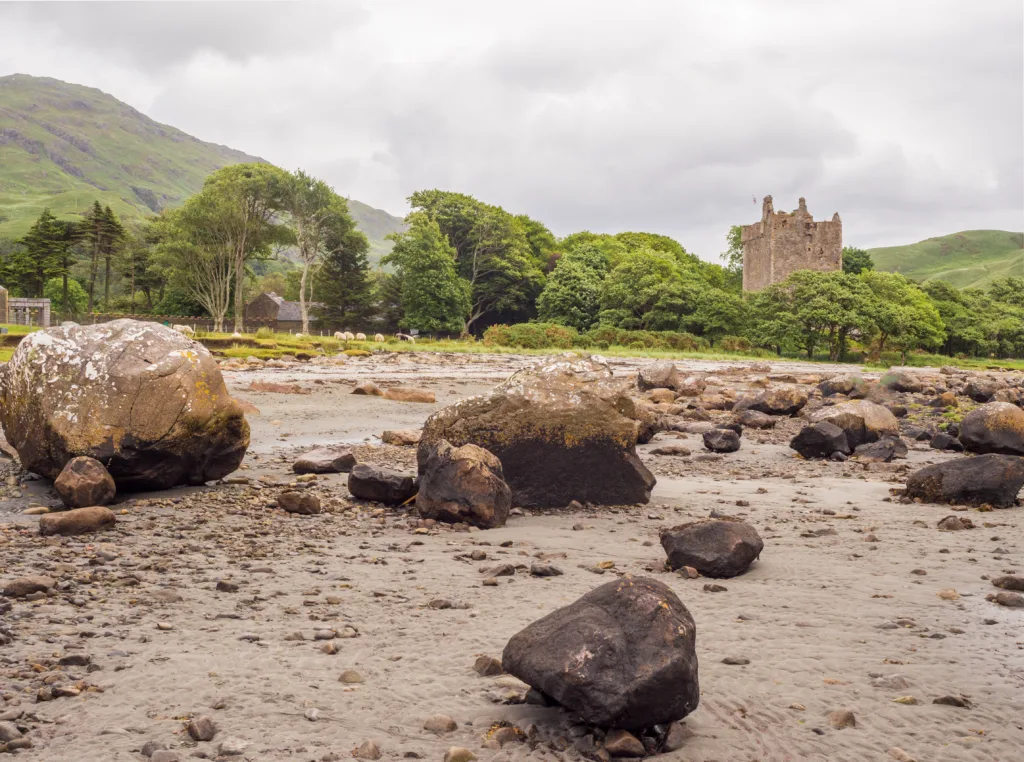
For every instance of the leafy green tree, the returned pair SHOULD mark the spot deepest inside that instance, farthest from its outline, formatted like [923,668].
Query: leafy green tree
[244,202]
[965,316]
[434,297]
[343,285]
[572,294]
[903,316]
[856,261]
[386,300]
[733,258]
[135,264]
[643,291]
[71,295]
[492,253]
[322,227]
[1009,290]
[716,313]
[544,248]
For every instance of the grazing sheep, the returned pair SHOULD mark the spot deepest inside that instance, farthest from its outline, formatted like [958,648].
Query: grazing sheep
[349,336]
[339,335]
[379,338]
[407,337]
[360,337]
[236,335]
[298,336]
[185,330]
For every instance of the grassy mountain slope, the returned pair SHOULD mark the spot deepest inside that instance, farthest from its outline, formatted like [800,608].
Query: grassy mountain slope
[63,146]
[970,258]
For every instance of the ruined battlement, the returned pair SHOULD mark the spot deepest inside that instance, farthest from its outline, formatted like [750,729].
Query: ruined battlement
[784,242]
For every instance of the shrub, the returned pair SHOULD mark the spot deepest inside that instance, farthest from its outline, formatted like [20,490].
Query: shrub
[531,336]
[264,333]
[734,344]
[679,341]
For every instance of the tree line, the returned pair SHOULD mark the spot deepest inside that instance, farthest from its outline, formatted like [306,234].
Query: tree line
[462,266]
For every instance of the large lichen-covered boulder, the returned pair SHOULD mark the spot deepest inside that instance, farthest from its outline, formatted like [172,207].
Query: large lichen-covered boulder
[995,427]
[146,401]
[564,430]
[622,656]
[862,421]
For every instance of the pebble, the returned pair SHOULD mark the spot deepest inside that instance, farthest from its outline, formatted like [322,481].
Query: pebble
[202,728]
[150,746]
[487,666]
[232,747]
[622,743]
[164,755]
[459,754]
[440,723]
[350,677]
[735,660]
[367,750]
[842,718]
[312,714]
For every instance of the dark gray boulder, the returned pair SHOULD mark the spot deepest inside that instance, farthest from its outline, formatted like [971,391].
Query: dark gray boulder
[723,547]
[991,479]
[382,485]
[622,656]
[820,440]
[755,419]
[722,440]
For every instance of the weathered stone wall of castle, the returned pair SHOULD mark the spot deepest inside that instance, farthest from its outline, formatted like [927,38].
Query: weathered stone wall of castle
[782,243]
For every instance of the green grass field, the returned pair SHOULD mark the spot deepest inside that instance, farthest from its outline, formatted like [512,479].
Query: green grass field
[970,258]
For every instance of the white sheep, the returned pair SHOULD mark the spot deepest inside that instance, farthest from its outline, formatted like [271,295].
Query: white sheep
[298,335]
[379,338]
[184,330]
[349,336]
[360,337]
[339,335]
[236,335]
[406,337]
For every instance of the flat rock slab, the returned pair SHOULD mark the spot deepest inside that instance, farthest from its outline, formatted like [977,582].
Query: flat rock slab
[325,460]
[76,521]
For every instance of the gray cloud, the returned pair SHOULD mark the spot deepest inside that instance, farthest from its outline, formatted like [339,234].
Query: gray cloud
[905,118]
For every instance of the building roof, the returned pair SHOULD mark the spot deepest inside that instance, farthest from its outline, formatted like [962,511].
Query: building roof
[289,311]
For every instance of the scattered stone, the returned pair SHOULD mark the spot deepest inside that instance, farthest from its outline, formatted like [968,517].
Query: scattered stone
[76,521]
[367,750]
[459,754]
[350,677]
[842,718]
[986,479]
[325,460]
[982,389]
[783,401]
[301,503]
[736,661]
[672,449]
[882,451]
[540,569]
[380,484]
[564,430]
[820,440]
[714,547]
[487,666]
[658,375]
[842,384]
[401,437]
[167,418]
[755,419]
[860,420]
[641,666]
[463,484]
[1009,582]
[409,394]
[943,441]
[721,440]
[23,586]
[369,389]
[902,381]
[1010,600]
[677,735]
[622,743]
[440,723]
[151,746]
[955,523]
[83,482]
[202,728]
[957,701]
[232,747]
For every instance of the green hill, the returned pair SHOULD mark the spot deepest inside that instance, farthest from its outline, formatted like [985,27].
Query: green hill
[63,146]
[970,258]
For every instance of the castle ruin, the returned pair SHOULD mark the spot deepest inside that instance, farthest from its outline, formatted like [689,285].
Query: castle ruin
[782,243]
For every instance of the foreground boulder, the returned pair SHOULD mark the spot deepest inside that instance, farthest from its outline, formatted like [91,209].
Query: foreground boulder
[860,420]
[995,427]
[83,482]
[77,521]
[622,656]
[714,547]
[139,397]
[992,479]
[785,401]
[382,485]
[463,484]
[325,460]
[820,440]
[563,431]
[658,375]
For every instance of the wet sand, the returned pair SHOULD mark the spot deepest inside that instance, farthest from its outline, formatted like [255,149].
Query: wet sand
[842,611]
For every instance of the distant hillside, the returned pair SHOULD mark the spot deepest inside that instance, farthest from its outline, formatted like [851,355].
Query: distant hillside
[970,258]
[62,146]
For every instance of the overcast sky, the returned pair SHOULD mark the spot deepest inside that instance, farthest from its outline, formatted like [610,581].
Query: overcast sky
[906,117]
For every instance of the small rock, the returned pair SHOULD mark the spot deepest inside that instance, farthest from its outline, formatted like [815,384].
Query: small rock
[202,728]
[459,754]
[22,586]
[736,660]
[958,701]
[487,666]
[842,718]
[622,743]
[151,746]
[350,677]
[367,750]
[440,723]
[232,747]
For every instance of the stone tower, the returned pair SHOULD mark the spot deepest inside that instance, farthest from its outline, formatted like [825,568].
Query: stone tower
[781,243]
